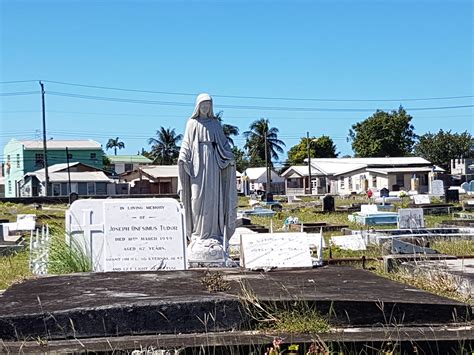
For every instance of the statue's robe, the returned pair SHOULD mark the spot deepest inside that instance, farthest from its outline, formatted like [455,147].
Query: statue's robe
[207,181]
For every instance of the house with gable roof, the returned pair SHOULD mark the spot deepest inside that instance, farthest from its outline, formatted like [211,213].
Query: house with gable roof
[356,175]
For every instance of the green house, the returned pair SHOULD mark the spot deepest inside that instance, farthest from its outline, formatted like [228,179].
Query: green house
[27,156]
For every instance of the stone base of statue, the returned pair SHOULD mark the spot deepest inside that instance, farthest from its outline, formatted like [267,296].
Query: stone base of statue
[207,253]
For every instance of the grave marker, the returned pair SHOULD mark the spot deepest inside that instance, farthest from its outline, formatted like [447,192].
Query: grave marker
[437,187]
[128,234]
[144,235]
[328,204]
[349,242]
[410,218]
[422,199]
[269,250]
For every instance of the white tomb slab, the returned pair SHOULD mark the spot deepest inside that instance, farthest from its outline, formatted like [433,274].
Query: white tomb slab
[422,199]
[410,218]
[349,242]
[26,222]
[129,234]
[437,187]
[275,250]
[369,209]
[234,241]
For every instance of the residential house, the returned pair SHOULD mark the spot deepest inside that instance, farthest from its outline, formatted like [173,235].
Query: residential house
[152,179]
[256,179]
[66,178]
[123,163]
[357,175]
[24,156]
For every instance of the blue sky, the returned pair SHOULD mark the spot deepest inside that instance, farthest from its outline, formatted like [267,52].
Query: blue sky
[364,50]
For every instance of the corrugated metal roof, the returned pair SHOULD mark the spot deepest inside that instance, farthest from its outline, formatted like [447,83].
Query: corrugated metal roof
[59,144]
[86,176]
[301,170]
[160,170]
[139,159]
[413,169]
[337,166]
[257,173]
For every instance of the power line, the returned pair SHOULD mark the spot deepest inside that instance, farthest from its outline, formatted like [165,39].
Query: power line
[245,107]
[17,93]
[159,115]
[258,97]
[18,81]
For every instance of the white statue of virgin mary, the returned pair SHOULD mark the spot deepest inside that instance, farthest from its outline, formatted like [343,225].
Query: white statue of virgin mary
[207,185]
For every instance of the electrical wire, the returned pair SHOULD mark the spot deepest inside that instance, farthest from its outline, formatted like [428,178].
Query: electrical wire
[243,107]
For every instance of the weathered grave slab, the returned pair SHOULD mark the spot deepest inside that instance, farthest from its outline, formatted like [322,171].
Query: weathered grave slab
[269,250]
[410,218]
[171,302]
[128,234]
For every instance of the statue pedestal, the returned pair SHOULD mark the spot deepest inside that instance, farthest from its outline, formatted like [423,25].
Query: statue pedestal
[207,253]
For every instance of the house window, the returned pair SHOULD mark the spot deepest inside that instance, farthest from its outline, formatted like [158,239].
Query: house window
[56,189]
[91,188]
[128,167]
[18,161]
[374,181]
[350,183]
[9,186]
[39,159]
[400,180]
[342,180]
[93,156]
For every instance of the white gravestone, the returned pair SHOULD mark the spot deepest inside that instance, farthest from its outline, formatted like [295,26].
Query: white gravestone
[280,250]
[437,188]
[422,199]
[349,242]
[26,222]
[129,234]
[146,235]
[410,218]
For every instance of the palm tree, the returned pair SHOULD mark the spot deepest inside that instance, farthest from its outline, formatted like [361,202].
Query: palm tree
[114,143]
[165,146]
[229,130]
[255,144]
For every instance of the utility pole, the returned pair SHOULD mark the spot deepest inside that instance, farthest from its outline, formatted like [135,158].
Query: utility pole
[45,148]
[68,172]
[309,164]
[266,166]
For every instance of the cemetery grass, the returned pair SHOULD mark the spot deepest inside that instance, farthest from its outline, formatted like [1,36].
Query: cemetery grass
[14,267]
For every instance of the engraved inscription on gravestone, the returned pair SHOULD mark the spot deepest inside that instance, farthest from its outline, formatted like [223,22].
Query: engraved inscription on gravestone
[437,187]
[146,235]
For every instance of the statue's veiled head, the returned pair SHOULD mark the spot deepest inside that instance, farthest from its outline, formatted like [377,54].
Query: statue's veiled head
[203,106]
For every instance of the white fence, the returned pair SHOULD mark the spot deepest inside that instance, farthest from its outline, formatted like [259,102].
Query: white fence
[39,251]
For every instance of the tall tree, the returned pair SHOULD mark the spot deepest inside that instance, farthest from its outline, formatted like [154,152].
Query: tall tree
[383,134]
[439,148]
[114,144]
[241,160]
[164,148]
[255,144]
[322,147]
[229,130]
